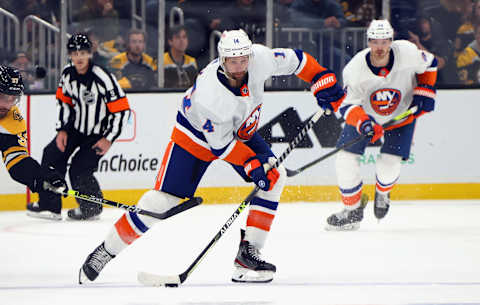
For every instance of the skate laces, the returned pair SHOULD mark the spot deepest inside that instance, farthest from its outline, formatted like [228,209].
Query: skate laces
[254,253]
[381,200]
[342,214]
[100,257]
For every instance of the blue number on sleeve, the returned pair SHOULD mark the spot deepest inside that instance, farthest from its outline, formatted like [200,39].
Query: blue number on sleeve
[208,126]
[276,54]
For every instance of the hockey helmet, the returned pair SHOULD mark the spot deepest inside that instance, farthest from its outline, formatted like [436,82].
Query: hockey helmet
[79,42]
[11,82]
[380,29]
[234,43]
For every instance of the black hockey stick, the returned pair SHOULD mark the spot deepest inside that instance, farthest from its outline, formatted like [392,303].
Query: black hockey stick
[150,279]
[291,173]
[185,205]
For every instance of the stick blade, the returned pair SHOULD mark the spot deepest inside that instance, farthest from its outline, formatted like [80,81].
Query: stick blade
[155,280]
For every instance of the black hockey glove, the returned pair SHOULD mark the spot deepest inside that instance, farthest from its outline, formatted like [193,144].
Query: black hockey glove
[50,181]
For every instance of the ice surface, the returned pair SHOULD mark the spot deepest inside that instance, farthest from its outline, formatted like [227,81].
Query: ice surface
[424,252]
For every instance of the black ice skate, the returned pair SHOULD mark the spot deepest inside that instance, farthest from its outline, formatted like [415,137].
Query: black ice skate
[34,210]
[94,264]
[83,214]
[381,205]
[249,260]
[347,220]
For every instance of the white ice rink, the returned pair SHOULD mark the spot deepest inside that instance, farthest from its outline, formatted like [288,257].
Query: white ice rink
[425,252]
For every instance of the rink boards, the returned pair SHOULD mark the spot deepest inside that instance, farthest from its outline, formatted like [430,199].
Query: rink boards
[443,163]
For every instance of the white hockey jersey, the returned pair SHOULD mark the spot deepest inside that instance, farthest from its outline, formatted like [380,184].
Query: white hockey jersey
[385,97]
[213,116]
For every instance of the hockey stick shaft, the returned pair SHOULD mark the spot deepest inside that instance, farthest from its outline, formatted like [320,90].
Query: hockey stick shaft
[175,280]
[188,204]
[291,173]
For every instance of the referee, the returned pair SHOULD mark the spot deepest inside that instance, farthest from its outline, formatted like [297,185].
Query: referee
[92,111]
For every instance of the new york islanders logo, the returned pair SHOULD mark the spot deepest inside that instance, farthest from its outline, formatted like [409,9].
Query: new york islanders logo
[248,128]
[385,101]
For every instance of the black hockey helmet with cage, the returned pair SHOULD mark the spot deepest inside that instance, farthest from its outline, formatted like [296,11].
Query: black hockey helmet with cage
[11,82]
[79,42]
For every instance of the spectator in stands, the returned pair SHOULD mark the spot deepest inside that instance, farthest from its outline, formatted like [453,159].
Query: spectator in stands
[448,15]
[22,62]
[99,56]
[248,15]
[434,42]
[466,31]
[468,62]
[101,15]
[318,14]
[180,69]
[134,68]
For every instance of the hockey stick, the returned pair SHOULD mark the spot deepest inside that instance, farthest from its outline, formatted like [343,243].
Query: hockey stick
[150,279]
[291,173]
[186,205]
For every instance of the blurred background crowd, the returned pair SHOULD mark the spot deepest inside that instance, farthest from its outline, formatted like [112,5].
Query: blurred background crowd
[125,37]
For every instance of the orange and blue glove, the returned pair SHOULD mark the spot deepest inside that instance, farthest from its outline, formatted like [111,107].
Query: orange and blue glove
[256,168]
[326,89]
[424,99]
[370,129]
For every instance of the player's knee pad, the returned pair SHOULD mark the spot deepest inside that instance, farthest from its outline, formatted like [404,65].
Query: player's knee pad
[276,191]
[158,202]
[388,168]
[347,166]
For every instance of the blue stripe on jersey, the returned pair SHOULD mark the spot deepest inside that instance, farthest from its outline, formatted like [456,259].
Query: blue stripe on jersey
[138,223]
[219,152]
[183,121]
[272,205]
[434,63]
[352,190]
[299,54]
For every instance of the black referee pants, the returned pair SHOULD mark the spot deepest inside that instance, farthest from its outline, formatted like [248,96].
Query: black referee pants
[83,164]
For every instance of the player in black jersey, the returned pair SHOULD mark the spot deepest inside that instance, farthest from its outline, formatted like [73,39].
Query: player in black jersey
[13,142]
[93,109]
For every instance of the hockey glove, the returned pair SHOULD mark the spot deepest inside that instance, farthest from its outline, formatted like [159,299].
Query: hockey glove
[328,92]
[255,168]
[370,129]
[50,181]
[424,99]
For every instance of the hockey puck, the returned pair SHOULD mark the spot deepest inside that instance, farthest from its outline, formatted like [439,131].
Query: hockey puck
[171,285]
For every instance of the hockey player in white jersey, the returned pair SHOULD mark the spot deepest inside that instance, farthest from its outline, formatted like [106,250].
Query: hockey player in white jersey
[380,82]
[218,119]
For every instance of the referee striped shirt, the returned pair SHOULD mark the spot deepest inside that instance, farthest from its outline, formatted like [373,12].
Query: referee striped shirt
[91,103]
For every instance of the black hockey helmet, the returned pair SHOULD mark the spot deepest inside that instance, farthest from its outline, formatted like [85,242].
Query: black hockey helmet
[79,42]
[11,82]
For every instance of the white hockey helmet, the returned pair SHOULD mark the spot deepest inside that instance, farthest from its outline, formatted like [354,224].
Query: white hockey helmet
[380,29]
[233,43]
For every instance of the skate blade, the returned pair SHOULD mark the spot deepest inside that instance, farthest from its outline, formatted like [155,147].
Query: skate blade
[244,275]
[82,277]
[348,227]
[45,215]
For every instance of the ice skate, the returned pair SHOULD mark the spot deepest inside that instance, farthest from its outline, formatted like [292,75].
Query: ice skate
[95,262]
[347,220]
[250,267]
[79,214]
[34,210]
[381,205]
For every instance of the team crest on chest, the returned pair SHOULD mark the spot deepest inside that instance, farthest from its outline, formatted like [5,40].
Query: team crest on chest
[244,90]
[385,101]
[249,126]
